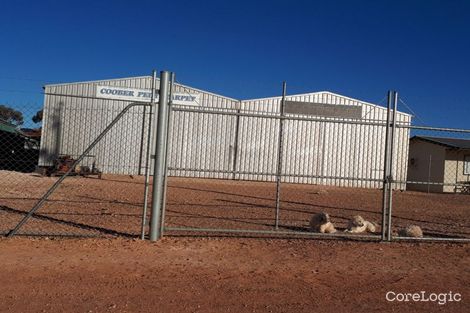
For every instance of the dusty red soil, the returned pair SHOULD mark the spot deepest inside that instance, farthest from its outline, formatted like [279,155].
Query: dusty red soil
[113,206]
[227,275]
[221,274]
[251,205]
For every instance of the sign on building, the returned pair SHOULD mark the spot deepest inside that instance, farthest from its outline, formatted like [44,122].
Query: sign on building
[143,95]
[323,109]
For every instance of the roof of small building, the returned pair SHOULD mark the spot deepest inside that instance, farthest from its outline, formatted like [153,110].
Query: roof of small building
[454,143]
[7,127]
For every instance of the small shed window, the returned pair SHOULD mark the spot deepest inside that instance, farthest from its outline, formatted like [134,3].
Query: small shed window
[466,165]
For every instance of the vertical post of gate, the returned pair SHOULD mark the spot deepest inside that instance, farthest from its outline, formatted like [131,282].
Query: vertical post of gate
[386,170]
[167,148]
[279,157]
[159,164]
[150,136]
[391,179]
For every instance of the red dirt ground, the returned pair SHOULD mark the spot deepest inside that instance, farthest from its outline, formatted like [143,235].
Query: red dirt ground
[222,274]
[227,275]
[113,206]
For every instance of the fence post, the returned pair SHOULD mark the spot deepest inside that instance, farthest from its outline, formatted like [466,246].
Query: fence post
[279,157]
[390,180]
[150,136]
[159,164]
[167,147]
[235,141]
[386,171]
[429,172]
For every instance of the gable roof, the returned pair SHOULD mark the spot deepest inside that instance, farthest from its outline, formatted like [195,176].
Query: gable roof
[111,80]
[454,143]
[105,81]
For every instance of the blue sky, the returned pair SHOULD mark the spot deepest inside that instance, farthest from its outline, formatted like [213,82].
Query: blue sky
[245,49]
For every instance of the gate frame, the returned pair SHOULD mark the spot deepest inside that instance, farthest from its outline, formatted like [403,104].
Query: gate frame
[51,190]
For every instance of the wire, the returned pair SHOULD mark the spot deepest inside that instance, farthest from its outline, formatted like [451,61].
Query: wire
[412,112]
[370,110]
[187,92]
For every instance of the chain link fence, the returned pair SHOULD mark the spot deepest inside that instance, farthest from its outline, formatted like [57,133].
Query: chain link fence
[437,193]
[327,165]
[19,153]
[263,167]
[103,193]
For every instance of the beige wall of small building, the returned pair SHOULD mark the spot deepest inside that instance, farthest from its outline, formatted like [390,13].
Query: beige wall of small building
[454,168]
[426,165]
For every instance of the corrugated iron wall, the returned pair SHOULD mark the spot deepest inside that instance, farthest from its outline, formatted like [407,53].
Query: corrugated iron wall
[224,146]
[72,123]
[329,152]
[202,145]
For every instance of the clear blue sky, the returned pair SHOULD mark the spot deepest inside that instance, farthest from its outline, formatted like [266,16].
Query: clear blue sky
[245,49]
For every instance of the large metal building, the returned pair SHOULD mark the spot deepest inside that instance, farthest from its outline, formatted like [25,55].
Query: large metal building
[333,149]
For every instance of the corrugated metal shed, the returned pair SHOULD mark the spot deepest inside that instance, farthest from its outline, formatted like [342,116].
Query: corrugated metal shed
[204,145]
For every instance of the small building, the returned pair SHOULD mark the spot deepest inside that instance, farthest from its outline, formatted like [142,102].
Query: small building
[438,164]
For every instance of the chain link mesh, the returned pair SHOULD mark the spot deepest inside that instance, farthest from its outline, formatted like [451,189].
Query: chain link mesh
[103,195]
[223,163]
